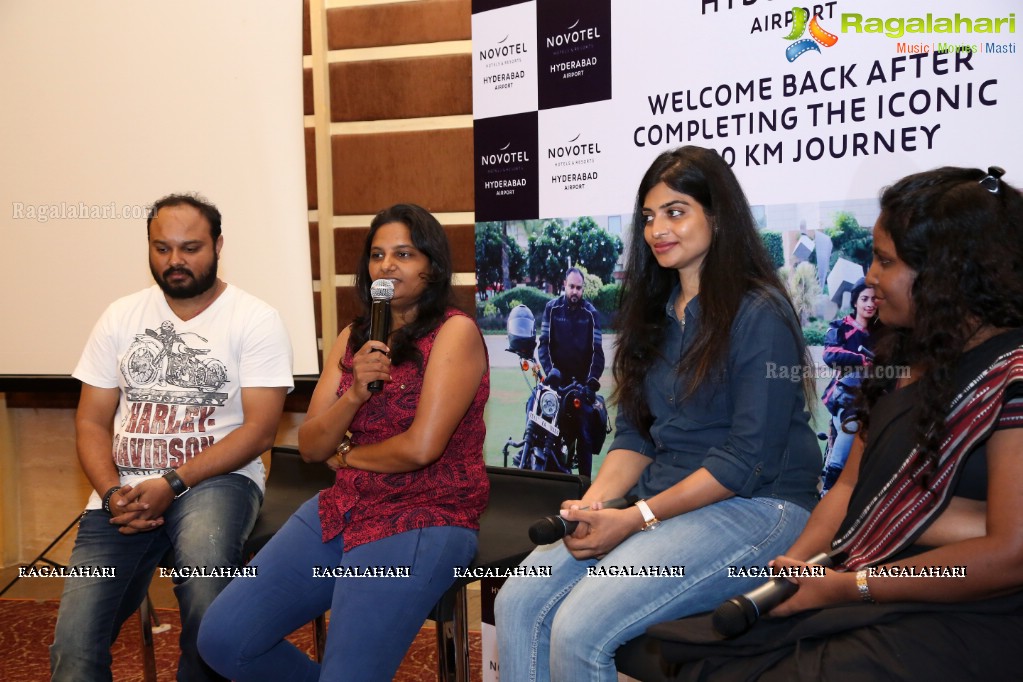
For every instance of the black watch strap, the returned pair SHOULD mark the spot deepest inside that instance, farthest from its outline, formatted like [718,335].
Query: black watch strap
[177,485]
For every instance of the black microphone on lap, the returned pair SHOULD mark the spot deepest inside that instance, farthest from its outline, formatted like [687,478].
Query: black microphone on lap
[381,291]
[552,528]
[741,612]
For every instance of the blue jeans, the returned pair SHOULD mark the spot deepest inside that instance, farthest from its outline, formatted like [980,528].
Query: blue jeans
[838,453]
[205,527]
[567,627]
[373,620]
[843,443]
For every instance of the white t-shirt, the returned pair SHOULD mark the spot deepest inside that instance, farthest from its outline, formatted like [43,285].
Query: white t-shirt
[181,380]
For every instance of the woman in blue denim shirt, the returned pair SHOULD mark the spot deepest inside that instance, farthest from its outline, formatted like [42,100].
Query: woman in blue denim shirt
[712,434]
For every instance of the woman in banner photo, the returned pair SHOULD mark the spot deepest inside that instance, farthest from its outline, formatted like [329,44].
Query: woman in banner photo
[847,350]
[925,518]
[718,448]
[380,547]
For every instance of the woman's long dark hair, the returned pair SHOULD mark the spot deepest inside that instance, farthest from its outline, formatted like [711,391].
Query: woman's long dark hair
[736,263]
[430,239]
[965,243]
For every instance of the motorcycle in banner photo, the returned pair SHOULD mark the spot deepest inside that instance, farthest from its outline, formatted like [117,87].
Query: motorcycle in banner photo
[561,421]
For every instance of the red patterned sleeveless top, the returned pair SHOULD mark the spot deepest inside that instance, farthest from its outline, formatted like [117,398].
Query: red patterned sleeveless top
[452,491]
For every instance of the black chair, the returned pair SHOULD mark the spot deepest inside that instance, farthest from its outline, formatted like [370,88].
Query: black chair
[641,659]
[289,484]
[518,498]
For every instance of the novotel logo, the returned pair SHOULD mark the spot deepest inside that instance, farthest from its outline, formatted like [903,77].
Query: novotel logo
[503,50]
[503,157]
[568,150]
[573,35]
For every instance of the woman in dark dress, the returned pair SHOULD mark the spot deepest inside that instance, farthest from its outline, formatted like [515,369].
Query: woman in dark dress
[924,521]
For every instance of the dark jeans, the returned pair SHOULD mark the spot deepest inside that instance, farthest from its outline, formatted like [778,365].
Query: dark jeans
[206,527]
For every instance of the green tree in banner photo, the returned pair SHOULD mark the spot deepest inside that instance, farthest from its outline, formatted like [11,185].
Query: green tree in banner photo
[548,255]
[500,261]
[594,248]
[849,240]
[554,248]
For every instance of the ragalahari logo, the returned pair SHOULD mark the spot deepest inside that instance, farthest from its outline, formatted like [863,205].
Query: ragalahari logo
[817,35]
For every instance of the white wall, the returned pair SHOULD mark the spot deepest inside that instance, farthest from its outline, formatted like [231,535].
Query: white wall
[114,104]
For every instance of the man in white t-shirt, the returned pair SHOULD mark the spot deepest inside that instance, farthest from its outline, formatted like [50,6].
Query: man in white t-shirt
[183,386]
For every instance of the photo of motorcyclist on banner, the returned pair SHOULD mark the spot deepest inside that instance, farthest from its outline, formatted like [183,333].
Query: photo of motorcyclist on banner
[566,417]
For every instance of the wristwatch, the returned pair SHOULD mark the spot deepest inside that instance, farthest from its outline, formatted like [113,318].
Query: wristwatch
[178,486]
[862,587]
[343,448]
[650,522]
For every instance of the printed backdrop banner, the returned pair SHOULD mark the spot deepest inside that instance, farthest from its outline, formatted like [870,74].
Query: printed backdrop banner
[823,102]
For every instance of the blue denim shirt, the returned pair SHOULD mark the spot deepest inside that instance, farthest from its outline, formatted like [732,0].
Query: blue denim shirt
[748,427]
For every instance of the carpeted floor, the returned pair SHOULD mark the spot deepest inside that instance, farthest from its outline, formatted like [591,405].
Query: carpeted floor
[26,631]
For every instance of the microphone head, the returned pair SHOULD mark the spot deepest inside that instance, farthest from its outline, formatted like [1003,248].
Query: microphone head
[547,530]
[735,616]
[381,290]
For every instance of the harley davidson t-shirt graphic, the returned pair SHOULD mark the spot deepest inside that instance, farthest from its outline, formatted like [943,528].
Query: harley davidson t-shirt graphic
[173,398]
[180,381]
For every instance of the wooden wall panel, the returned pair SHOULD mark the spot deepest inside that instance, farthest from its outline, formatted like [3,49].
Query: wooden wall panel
[348,306]
[432,168]
[463,247]
[318,315]
[465,299]
[416,87]
[348,243]
[314,248]
[310,168]
[307,40]
[400,23]
[307,92]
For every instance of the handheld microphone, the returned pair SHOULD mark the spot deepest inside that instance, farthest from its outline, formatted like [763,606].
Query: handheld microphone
[381,291]
[552,528]
[741,612]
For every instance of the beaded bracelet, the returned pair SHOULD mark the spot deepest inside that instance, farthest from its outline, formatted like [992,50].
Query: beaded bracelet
[106,498]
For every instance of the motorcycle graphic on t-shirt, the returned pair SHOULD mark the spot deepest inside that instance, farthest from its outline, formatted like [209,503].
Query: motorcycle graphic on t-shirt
[160,363]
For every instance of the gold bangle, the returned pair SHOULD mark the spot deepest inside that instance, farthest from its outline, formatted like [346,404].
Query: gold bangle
[862,587]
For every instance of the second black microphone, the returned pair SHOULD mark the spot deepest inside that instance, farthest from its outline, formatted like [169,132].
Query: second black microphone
[552,528]
[741,612]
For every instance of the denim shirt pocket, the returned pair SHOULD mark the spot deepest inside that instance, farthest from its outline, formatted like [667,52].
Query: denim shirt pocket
[708,407]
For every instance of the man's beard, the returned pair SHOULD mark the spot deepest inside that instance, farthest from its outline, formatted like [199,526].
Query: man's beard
[191,287]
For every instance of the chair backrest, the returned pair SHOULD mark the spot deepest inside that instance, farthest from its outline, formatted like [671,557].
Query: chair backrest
[518,498]
[289,484]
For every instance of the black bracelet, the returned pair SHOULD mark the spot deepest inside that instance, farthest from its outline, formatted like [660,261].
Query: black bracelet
[177,485]
[107,496]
